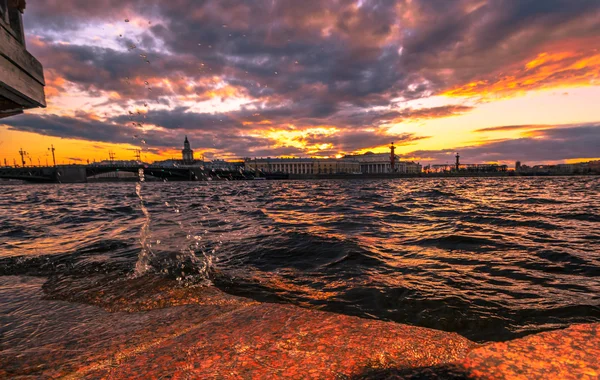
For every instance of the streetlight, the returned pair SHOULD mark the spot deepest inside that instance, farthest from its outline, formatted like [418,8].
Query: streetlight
[52,150]
[23,154]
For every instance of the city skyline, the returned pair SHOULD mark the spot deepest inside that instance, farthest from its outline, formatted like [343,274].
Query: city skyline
[188,157]
[498,82]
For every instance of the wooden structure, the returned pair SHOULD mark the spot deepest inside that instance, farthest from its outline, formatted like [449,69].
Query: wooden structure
[21,75]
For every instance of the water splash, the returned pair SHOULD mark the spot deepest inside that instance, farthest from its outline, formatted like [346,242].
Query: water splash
[143,263]
[195,259]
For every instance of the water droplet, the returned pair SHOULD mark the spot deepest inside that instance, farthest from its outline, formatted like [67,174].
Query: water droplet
[224,25]
[275,72]
[146,82]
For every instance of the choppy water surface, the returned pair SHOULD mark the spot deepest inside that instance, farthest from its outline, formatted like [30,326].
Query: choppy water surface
[491,259]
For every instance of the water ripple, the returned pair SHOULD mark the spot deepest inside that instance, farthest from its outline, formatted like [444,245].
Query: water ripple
[489,258]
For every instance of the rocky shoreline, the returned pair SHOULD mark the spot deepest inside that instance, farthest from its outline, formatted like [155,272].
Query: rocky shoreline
[131,328]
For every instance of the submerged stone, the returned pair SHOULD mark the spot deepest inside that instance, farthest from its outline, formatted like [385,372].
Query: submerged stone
[571,353]
[214,335]
[136,328]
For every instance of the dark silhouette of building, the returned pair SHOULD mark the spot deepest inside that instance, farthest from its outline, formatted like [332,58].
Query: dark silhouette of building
[187,153]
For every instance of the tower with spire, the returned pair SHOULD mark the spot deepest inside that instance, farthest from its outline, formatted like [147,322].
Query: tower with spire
[187,153]
[392,158]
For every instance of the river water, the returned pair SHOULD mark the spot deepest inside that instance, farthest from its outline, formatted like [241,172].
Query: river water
[489,258]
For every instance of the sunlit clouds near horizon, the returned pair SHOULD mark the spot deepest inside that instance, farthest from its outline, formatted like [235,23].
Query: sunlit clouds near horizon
[498,81]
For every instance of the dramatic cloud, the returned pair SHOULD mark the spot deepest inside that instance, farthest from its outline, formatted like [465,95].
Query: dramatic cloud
[289,77]
[565,142]
[484,48]
[208,132]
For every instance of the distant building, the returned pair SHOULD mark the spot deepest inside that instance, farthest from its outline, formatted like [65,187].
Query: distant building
[466,168]
[187,158]
[407,167]
[223,165]
[167,163]
[303,165]
[591,167]
[368,163]
[373,162]
[21,75]
[381,163]
[188,161]
[187,153]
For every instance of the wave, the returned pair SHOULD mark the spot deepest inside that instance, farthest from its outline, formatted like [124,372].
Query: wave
[457,254]
[537,201]
[460,241]
[582,216]
[293,250]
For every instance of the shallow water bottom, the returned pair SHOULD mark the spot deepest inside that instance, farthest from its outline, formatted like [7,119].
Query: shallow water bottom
[213,334]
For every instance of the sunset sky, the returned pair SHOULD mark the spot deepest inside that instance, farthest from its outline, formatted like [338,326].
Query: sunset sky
[497,81]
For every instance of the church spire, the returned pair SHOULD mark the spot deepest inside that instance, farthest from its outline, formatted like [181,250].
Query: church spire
[187,152]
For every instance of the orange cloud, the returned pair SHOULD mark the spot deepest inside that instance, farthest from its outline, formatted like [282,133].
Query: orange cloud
[299,138]
[410,114]
[505,128]
[544,71]
[54,84]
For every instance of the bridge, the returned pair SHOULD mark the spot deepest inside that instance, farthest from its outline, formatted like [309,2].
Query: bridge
[31,174]
[82,173]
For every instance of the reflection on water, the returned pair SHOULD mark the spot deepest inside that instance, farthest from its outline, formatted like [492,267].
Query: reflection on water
[489,258]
